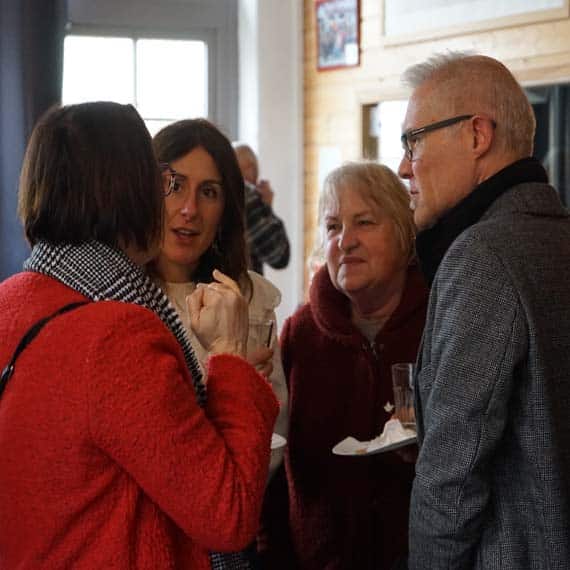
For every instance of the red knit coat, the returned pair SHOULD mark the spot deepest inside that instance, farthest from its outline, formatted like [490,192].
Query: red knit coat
[106,460]
[343,513]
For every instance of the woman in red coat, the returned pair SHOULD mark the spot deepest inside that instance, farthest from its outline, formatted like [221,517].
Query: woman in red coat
[112,454]
[366,311]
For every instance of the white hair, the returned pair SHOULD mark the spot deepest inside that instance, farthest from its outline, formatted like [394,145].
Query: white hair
[419,73]
[467,83]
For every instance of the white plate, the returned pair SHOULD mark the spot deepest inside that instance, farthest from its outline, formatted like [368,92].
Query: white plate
[351,446]
[277,441]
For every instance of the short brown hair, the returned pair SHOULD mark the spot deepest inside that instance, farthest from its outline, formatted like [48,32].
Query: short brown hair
[89,173]
[177,140]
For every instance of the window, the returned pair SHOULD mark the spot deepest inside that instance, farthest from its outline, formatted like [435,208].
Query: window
[382,130]
[551,105]
[166,80]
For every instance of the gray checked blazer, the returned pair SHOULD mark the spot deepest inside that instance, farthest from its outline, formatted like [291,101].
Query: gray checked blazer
[492,485]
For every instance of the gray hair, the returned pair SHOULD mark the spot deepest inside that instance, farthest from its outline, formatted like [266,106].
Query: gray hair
[374,182]
[467,83]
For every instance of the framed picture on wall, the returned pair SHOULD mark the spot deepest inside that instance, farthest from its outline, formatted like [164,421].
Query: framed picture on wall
[338,33]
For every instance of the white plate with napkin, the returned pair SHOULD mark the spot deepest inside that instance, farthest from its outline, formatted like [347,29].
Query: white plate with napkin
[394,436]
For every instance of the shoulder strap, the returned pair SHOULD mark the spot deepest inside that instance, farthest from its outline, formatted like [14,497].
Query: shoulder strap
[30,334]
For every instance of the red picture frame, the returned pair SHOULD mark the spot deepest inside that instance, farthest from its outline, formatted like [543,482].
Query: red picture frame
[338,33]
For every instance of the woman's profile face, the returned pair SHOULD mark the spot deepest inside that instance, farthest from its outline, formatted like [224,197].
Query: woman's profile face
[362,248]
[193,211]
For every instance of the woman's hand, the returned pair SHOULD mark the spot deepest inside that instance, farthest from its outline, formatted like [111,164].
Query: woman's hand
[262,358]
[219,316]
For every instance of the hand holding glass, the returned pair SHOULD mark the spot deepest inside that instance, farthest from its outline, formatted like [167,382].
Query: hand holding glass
[259,349]
[260,333]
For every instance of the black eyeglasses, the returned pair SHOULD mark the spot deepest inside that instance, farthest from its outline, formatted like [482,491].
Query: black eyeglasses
[410,137]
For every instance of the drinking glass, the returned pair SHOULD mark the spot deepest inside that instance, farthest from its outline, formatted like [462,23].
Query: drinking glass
[402,384]
[261,333]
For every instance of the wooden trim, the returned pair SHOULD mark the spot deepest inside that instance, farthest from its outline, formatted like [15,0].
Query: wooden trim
[533,16]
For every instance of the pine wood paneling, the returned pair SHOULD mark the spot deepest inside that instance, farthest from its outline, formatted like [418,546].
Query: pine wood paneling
[535,53]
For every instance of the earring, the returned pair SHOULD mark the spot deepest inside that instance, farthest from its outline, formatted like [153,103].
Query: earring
[216,243]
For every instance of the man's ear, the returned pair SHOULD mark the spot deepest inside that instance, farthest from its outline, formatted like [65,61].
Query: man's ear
[483,133]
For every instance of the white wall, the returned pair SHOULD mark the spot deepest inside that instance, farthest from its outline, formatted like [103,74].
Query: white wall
[271,120]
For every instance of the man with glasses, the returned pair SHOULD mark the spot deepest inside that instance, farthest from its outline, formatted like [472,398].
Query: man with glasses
[492,486]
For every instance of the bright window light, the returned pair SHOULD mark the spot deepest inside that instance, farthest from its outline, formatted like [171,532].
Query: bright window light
[391,115]
[171,79]
[165,80]
[98,69]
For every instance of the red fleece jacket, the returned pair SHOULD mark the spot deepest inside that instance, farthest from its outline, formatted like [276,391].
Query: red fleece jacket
[340,513]
[106,460]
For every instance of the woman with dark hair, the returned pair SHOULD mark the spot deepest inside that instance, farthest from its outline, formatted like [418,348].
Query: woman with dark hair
[111,454]
[198,144]
[204,228]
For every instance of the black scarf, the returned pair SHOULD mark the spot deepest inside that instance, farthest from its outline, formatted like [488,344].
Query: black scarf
[433,243]
[101,273]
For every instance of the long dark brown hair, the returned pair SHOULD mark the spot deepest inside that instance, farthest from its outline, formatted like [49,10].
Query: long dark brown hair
[176,141]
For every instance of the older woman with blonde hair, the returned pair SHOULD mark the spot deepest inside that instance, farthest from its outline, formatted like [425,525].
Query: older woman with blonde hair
[366,311]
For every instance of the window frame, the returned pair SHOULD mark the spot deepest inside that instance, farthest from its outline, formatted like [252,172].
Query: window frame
[206,36]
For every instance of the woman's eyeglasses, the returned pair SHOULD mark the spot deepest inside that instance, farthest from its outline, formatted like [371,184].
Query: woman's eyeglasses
[172,180]
[176,185]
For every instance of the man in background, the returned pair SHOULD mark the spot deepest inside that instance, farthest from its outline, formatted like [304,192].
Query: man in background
[492,486]
[266,236]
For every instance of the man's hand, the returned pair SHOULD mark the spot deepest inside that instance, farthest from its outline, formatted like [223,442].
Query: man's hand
[265,191]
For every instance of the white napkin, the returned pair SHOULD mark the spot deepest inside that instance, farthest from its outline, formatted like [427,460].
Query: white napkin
[393,432]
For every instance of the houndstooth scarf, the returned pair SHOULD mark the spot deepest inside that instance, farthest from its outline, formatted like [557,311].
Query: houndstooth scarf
[102,273]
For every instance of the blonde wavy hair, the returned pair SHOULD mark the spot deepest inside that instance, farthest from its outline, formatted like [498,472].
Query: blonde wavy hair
[377,183]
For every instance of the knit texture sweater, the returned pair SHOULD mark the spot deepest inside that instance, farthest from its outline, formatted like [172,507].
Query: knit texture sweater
[342,512]
[106,460]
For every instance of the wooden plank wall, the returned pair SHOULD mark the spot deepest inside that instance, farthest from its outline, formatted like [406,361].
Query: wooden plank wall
[535,53]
